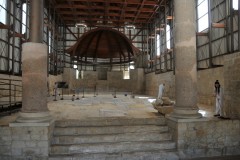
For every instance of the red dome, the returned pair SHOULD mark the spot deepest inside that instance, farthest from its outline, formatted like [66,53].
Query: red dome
[103,45]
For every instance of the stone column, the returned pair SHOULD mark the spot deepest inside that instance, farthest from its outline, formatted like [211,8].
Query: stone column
[185,60]
[36,21]
[34,70]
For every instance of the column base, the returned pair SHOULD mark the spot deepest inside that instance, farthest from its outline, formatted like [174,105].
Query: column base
[34,117]
[185,113]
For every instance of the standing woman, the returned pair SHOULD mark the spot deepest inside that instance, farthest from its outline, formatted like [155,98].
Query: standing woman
[219,99]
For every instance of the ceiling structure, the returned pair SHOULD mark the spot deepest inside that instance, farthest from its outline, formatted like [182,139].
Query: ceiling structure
[106,46]
[108,13]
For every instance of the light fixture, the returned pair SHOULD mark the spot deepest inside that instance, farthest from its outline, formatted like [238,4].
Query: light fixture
[81,25]
[130,26]
[151,37]
[160,29]
[169,17]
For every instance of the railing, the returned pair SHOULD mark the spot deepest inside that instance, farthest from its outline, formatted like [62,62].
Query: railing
[10,96]
[84,92]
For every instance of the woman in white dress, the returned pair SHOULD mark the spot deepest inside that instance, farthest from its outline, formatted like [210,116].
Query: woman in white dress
[219,100]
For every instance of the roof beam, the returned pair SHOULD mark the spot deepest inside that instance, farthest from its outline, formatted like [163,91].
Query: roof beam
[106,13]
[113,8]
[137,2]
[139,11]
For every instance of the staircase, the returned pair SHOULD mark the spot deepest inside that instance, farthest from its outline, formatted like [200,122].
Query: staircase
[112,139]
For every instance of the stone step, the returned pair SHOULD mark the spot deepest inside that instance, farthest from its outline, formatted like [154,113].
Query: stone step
[108,130]
[127,137]
[110,122]
[112,147]
[146,155]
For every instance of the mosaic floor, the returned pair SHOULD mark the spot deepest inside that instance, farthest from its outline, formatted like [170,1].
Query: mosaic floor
[104,105]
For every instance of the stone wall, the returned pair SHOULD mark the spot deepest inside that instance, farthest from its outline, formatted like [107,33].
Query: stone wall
[206,79]
[232,85]
[205,137]
[30,141]
[137,81]
[114,81]
[5,143]
[25,141]
[51,82]
[152,82]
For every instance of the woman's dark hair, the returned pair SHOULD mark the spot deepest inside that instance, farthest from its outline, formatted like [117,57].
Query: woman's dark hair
[217,89]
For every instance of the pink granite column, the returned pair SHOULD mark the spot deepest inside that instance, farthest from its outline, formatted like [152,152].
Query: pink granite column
[34,70]
[185,60]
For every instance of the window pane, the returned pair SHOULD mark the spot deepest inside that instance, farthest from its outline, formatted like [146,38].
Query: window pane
[3,11]
[202,9]
[203,23]
[24,18]
[168,36]
[158,44]
[200,1]
[235,4]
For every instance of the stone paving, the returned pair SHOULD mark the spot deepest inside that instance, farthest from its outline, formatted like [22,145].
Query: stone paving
[103,105]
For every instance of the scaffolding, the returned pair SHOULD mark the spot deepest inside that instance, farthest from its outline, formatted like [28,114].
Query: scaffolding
[10,96]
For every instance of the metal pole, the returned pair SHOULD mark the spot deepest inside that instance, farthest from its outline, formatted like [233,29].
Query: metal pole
[115,94]
[10,93]
[210,33]
[9,33]
[238,26]
[14,93]
[13,38]
[230,29]
[62,94]
[83,93]
[77,92]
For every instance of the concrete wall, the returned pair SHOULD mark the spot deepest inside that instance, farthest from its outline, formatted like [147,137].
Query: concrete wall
[205,137]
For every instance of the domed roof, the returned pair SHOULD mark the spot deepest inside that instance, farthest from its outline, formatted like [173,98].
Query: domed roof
[104,45]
